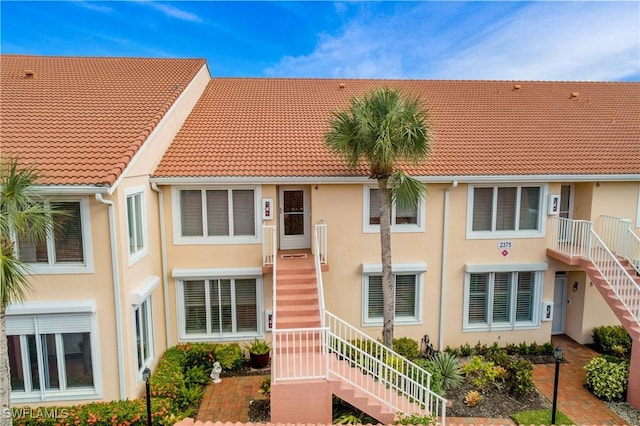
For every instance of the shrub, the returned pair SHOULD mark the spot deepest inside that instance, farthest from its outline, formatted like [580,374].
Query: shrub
[197,375]
[453,351]
[436,377]
[415,419]
[450,370]
[229,355]
[465,350]
[607,380]
[406,347]
[612,340]
[519,378]
[265,387]
[199,354]
[546,349]
[482,372]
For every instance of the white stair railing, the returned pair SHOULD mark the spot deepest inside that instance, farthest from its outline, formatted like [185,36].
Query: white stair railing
[618,278]
[616,233]
[320,242]
[577,238]
[269,245]
[380,372]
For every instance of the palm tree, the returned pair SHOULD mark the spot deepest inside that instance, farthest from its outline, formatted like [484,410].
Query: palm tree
[23,214]
[384,129]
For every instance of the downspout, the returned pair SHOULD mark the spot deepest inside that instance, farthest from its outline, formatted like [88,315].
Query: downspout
[443,272]
[163,255]
[116,295]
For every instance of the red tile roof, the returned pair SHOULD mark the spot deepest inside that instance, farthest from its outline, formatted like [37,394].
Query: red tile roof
[274,128]
[81,120]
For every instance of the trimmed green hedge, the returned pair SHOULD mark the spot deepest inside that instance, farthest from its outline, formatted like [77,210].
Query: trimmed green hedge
[176,392]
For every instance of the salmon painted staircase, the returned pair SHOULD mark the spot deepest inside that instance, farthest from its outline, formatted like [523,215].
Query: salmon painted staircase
[609,253]
[301,352]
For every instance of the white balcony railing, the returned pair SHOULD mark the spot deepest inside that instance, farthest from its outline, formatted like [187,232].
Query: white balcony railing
[616,233]
[320,242]
[269,245]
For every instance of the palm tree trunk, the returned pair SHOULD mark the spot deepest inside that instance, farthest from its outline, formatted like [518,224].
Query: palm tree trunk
[388,291]
[5,375]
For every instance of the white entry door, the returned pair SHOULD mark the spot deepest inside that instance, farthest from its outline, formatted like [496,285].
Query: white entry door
[559,304]
[294,218]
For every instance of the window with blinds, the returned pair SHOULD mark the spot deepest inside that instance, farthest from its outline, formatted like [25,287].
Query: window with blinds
[64,244]
[217,213]
[506,209]
[219,308]
[501,299]
[400,216]
[406,297]
[144,334]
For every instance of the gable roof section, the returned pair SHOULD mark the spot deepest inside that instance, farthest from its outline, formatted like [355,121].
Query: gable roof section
[250,127]
[81,119]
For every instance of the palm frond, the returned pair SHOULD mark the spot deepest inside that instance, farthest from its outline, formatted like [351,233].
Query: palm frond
[405,190]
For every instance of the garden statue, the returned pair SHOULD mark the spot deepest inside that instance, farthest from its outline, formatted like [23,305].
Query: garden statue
[215,373]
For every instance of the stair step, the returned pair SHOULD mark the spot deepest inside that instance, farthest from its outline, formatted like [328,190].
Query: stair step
[299,309]
[297,322]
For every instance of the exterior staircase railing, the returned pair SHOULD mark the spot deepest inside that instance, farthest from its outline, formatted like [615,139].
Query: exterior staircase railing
[579,239]
[617,234]
[399,380]
[269,258]
[338,350]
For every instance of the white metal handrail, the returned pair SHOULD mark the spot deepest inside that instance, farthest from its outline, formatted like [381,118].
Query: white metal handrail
[300,354]
[269,247]
[617,234]
[571,237]
[320,238]
[579,239]
[618,278]
[381,372]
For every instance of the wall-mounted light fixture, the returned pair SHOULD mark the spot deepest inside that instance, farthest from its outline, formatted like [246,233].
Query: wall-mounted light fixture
[575,286]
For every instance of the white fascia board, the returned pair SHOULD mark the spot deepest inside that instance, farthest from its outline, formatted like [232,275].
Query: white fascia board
[376,268]
[156,129]
[506,267]
[259,180]
[205,273]
[529,178]
[70,189]
[51,307]
[320,180]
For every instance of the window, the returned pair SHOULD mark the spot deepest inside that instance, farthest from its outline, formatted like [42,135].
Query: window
[502,300]
[408,301]
[505,210]
[52,356]
[135,226]
[143,334]
[220,308]
[217,213]
[407,219]
[66,247]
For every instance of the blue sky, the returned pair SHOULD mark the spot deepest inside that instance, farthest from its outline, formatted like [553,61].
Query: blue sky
[546,40]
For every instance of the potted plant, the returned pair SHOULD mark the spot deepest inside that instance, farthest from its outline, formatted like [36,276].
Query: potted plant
[258,353]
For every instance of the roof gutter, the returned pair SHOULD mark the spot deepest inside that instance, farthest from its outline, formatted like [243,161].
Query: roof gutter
[163,255]
[443,271]
[71,189]
[116,295]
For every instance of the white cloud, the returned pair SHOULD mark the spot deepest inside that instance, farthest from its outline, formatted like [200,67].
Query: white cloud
[520,41]
[174,12]
[93,6]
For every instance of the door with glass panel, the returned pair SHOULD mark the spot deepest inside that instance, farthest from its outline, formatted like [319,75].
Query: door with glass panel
[294,218]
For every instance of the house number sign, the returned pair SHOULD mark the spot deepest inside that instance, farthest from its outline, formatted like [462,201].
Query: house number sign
[504,247]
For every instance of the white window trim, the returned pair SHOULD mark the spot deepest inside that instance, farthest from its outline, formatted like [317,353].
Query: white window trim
[60,308]
[538,277]
[417,269]
[84,268]
[397,229]
[181,275]
[486,235]
[150,331]
[178,239]
[129,192]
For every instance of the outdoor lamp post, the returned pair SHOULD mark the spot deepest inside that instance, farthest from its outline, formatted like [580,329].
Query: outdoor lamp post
[146,375]
[557,354]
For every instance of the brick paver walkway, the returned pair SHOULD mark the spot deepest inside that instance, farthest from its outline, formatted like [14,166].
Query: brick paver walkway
[228,401]
[573,399]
